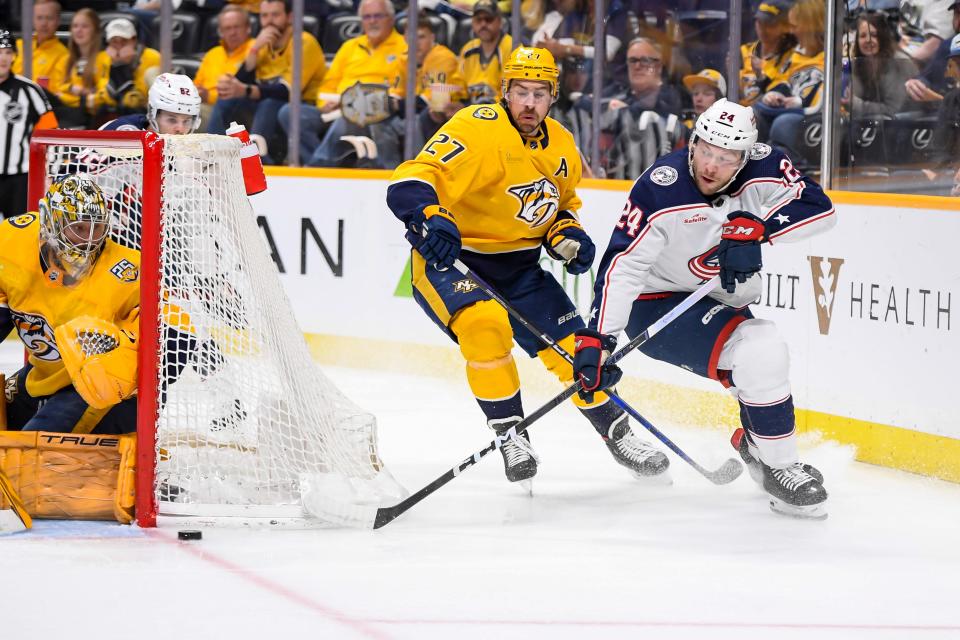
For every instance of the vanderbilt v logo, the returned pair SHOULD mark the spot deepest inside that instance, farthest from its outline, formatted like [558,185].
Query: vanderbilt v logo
[825,274]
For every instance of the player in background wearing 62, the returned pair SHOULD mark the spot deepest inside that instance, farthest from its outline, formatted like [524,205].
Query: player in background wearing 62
[73,296]
[173,107]
[694,213]
[494,185]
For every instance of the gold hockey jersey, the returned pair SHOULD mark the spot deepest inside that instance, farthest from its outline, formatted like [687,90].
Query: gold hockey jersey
[503,189]
[39,302]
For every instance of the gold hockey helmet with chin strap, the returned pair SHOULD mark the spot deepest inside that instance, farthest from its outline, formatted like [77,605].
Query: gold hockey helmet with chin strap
[74,223]
[531,63]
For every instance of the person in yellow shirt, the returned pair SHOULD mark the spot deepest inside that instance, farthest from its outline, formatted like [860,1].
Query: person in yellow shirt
[233,25]
[761,60]
[261,86]
[132,67]
[82,71]
[48,51]
[481,59]
[492,188]
[441,91]
[62,276]
[375,58]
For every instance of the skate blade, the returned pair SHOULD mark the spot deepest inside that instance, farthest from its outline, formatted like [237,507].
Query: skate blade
[526,486]
[659,480]
[809,512]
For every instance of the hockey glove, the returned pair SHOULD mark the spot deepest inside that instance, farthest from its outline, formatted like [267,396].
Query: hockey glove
[568,242]
[739,250]
[434,233]
[592,349]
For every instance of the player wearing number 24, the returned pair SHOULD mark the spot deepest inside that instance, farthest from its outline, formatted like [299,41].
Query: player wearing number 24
[73,296]
[695,213]
[494,185]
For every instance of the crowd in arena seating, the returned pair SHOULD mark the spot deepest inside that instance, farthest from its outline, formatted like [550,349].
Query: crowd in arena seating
[664,63]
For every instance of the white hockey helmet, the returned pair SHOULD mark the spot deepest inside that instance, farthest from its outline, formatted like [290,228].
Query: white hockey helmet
[174,93]
[727,125]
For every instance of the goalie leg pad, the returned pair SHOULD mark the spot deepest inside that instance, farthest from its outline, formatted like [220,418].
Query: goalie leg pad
[485,337]
[13,514]
[558,366]
[68,476]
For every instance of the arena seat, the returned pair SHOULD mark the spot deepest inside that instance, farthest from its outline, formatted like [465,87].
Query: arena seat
[339,29]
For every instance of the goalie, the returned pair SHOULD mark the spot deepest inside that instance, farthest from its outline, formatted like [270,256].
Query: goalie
[73,296]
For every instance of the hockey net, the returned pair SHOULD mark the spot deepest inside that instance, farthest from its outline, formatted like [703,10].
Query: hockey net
[235,419]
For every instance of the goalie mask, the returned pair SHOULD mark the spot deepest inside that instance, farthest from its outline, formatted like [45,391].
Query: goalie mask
[176,94]
[74,224]
[727,125]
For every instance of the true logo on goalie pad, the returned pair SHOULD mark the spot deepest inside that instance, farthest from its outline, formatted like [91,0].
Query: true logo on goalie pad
[125,271]
[36,334]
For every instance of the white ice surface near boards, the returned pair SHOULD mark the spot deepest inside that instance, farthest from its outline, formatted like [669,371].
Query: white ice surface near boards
[593,554]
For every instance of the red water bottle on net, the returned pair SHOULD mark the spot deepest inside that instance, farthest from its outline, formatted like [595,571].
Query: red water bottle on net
[253,179]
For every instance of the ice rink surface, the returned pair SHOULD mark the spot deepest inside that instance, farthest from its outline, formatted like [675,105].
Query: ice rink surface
[594,554]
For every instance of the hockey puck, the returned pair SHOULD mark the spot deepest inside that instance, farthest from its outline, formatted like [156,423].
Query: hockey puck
[189,535]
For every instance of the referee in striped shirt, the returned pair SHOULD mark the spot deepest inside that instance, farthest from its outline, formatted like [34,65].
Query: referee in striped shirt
[23,108]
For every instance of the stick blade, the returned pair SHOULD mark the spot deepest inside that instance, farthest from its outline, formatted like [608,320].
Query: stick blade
[727,473]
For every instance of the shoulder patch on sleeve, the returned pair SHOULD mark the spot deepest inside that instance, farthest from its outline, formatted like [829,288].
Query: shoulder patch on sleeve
[664,175]
[125,271]
[759,151]
[22,221]
[485,113]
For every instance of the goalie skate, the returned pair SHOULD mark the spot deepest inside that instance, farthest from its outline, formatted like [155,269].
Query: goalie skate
[519,458]
[639,457]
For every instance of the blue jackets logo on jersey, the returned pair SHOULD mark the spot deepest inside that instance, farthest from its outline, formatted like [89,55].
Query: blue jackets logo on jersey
[539,201]
[36,334]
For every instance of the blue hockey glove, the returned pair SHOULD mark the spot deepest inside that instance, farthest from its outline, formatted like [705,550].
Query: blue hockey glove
[739,250]
[434,233]
[568,242]
[592,349]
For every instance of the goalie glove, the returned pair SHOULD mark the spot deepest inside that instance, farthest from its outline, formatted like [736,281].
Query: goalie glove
[100,358]
[567,242]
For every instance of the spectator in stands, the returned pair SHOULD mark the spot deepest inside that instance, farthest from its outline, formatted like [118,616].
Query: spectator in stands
[133,67]
[641,115]
[879,70]
[48,51]
[440,88]
[233,26]
[783,111]
[924,27]
[85,68]
[574,80]
[481,59]
[946,133]
[762,59]
[705,88]
[374,59]
[262,84]
[928,88]
[568,30]
[23,108]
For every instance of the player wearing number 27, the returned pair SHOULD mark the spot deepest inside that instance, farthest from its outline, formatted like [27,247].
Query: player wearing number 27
[695,213]
[73,297]
[494,185]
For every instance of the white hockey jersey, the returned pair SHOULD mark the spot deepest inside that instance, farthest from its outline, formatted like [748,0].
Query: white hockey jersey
[666,239]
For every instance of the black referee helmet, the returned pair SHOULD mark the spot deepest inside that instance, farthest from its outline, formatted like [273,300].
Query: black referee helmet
[6,40]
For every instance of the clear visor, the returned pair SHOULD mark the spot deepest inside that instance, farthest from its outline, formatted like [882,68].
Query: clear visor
[529,97]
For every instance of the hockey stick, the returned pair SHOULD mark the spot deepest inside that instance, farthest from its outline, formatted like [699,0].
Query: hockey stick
[726,473]
[386,515]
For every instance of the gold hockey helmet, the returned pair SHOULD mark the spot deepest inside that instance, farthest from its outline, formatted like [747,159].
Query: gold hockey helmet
[74,223]
[531,63]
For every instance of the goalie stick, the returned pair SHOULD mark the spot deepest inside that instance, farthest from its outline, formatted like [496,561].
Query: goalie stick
[725,474]
[385,515]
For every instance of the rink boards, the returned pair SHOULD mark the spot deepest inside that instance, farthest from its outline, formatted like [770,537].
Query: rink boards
[871,310]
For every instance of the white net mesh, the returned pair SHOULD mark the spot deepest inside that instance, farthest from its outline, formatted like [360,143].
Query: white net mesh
[246,419]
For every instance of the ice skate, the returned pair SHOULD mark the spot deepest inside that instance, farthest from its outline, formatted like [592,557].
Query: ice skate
[751,458]
[794,492]
[643,461]
[519,458]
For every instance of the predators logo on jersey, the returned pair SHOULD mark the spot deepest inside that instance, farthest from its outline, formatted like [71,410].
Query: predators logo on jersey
[125,271]
[539,201]
[36,334]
